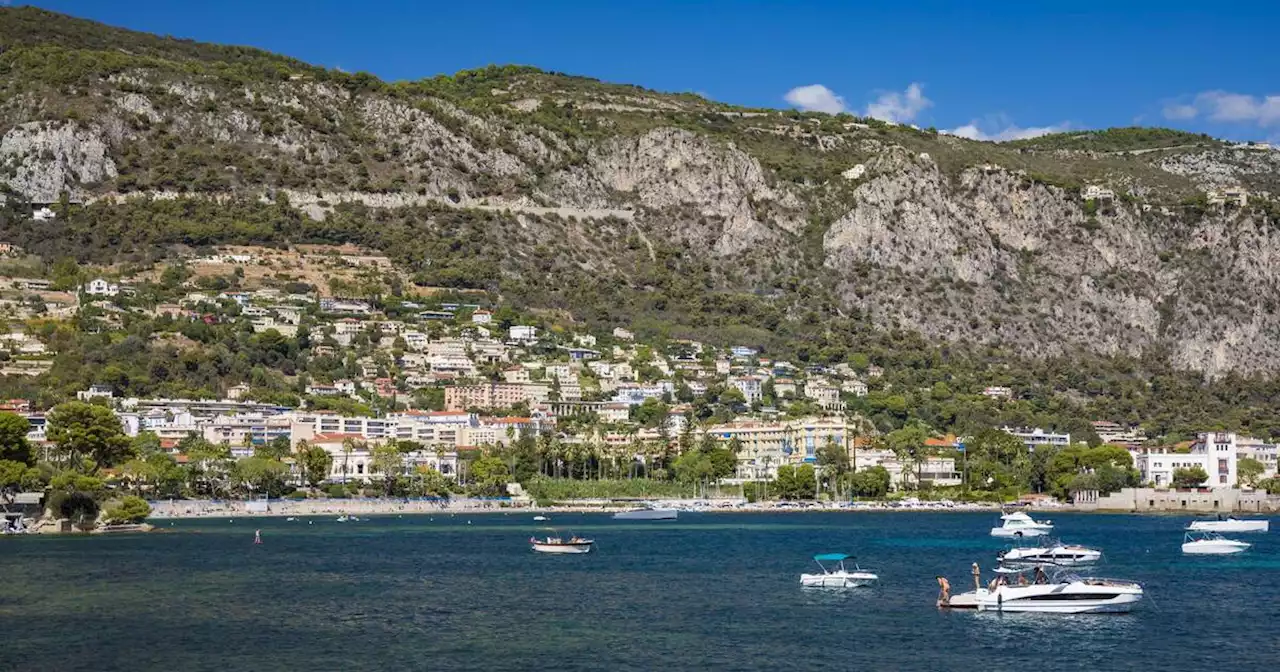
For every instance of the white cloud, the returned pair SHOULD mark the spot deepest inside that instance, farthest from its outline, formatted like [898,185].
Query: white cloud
[1180,111]
[815,98]
[899,107]
[1224,106]
[972,131]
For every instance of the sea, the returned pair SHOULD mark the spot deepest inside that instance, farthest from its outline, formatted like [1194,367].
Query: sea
[709,591]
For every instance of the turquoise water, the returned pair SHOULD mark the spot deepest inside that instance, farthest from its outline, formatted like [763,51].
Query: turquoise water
[710,591]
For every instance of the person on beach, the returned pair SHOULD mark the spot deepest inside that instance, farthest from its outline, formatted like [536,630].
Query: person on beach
[944,595]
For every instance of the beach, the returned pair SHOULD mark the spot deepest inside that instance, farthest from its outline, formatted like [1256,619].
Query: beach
[181,509]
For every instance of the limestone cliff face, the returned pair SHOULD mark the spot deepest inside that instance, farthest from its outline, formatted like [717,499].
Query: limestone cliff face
[46,159]
[994,257]
[956,239]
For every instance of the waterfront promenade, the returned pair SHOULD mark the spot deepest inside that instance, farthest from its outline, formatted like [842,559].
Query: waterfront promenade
[171,509]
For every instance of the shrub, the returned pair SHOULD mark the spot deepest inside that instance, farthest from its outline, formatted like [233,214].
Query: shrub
[130,510]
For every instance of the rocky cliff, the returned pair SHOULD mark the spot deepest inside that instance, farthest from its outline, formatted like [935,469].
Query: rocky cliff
[959,240]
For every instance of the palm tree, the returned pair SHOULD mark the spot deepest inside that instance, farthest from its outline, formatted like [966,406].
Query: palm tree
[348,447]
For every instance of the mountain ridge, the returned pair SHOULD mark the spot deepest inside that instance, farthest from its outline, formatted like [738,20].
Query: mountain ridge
[567,182]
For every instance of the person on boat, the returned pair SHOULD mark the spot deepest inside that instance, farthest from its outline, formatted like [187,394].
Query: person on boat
[1022,579]
[944,595]
[1041,577]
[977,577]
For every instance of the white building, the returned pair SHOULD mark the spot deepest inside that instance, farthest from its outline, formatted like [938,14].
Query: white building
[751,387]
[1094,192]
[1214,452]
[1118,435]
[998,392]
[855,387]
[623,335]
[634,395]
[935,469]
[44,214]
[523,333]
[824,394]
[100,287]
[1259,450]
[95,392]
[1032,438]
[481,317]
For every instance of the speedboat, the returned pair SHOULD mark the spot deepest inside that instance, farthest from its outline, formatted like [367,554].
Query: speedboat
[647,513]
[1231,524]
[556,544]
[1019,524]
[343,518]
[1050,552]
[539,518]
[1211,543]
[839,576]
[1065,594]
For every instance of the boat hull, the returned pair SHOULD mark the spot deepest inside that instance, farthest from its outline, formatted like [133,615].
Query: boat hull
[1073,598]
[647,514]
[1214,548]
[1020,532]
[838,580]
[1062,557]
[561,549]
[1230,526]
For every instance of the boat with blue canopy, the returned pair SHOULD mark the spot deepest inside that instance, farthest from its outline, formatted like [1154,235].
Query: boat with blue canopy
[835,574]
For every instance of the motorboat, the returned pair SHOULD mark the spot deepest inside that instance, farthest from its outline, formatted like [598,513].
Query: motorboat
[1019,524]
[343,518]
[837,576]
[540,518]
[1050,552]
[1211,543]
[1231,524]
[553,543]
[1064,594]
[647,513]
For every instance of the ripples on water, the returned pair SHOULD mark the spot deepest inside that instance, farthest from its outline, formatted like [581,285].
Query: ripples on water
[705,592]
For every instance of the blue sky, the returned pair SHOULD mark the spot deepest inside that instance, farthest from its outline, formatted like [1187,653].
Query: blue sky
[983,69]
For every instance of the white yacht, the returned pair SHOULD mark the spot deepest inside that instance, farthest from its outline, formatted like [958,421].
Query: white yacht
[1231,524]
[1064,594]
[839,576]
[1050,552]
[1211,543]
[1019,524]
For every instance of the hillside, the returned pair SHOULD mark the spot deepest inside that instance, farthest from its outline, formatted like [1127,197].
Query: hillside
[615,205]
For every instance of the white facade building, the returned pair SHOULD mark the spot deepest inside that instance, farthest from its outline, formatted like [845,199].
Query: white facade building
[100,287]
[751,387]
[1214,452]
[1033,438]
[523,333]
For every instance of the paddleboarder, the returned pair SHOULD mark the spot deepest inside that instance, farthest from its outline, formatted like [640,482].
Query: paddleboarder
[257,536]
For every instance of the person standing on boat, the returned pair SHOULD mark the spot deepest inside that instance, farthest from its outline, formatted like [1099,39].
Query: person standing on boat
[1041,577]
[944,595]
[977,577]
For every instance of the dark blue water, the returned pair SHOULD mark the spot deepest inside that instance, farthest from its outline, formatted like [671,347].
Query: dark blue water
[710,591]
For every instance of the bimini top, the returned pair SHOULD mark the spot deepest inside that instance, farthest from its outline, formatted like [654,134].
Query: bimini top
[832,557]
